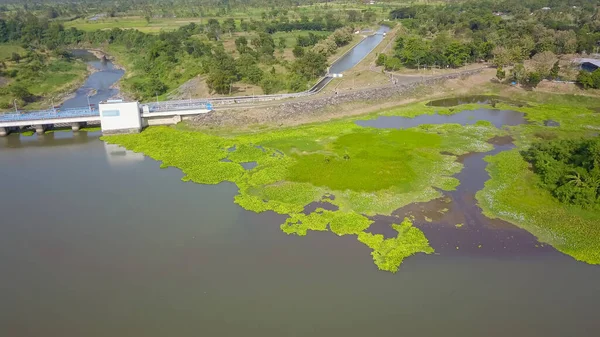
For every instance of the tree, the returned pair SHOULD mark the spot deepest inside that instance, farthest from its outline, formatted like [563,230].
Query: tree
[20,92]
[241,44]
[353,16]
[500,74]
[585,79]
[281,43]
[543,62]
[533,79]
[214,29]
[229,26]
[3,31]
[298,51]
[15,57]
[554,71]
[369,16]
[270,84]
[220,81]
[415,52]
[502,56]
[310,65]
[223,73]
[456,54]
[518,73]
[380,60]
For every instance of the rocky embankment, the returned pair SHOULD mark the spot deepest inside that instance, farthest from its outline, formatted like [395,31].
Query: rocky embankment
[277,113]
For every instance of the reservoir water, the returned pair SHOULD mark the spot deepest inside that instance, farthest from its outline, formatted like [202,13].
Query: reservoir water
[99,241]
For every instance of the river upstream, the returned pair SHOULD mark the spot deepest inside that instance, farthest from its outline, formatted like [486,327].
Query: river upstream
[99,241]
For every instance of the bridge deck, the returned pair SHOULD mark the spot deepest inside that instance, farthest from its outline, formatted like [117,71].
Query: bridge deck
[48,114]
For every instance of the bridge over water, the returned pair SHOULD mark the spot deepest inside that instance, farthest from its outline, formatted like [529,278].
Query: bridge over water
[113,116]
[119,116]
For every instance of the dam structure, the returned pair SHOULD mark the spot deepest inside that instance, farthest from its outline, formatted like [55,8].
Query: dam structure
[113,116]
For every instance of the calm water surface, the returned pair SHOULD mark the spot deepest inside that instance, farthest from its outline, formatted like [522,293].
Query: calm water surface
[498,118]
[98,241]
[98,85]
[356,54]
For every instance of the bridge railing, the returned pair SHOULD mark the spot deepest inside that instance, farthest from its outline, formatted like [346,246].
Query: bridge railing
[49,114]
[201,103]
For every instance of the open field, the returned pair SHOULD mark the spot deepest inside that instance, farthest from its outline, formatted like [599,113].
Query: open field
[139,23]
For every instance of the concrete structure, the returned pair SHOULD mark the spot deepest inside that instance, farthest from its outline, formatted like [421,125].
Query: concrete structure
[114,116]
[120,117]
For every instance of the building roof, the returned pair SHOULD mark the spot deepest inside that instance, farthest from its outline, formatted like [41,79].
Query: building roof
[595,62]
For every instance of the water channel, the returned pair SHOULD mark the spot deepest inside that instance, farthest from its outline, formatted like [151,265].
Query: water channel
[99,241]
[356,54]
[99,85]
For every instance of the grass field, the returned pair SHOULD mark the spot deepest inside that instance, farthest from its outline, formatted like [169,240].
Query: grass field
[139,23]
[6,50]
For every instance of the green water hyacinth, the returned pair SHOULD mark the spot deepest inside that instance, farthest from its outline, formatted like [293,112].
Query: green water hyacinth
[388,254]
[360,171]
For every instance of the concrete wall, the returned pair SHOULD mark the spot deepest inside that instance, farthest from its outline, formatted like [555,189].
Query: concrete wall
[117,117]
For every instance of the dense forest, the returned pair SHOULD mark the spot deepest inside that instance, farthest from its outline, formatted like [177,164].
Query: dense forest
[506,32]
[569,169]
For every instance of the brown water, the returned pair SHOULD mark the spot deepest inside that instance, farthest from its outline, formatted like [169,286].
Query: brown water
[98,241]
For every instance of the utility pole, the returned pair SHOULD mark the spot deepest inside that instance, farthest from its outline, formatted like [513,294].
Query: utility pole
[15,102]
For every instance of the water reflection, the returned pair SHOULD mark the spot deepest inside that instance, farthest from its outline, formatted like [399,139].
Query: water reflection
[474,99]
[119,156]
[498,118]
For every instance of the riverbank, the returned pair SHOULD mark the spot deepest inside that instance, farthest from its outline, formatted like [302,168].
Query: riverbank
[54,82]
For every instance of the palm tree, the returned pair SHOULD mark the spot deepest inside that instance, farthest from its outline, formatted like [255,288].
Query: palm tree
[575,179]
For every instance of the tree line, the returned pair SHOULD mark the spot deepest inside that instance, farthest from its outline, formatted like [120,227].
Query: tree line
[504,32]
[163,61]
[569,169]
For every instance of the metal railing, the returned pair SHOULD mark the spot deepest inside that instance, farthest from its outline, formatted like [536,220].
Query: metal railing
[49,114]
[161,106]
[201,103]
[178,105]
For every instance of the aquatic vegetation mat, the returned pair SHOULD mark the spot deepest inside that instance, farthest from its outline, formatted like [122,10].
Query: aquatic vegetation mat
[365,171]
[369,171]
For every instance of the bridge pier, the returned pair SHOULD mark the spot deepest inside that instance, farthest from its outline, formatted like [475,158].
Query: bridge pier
[4,131]
[40,128]
[75,126]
